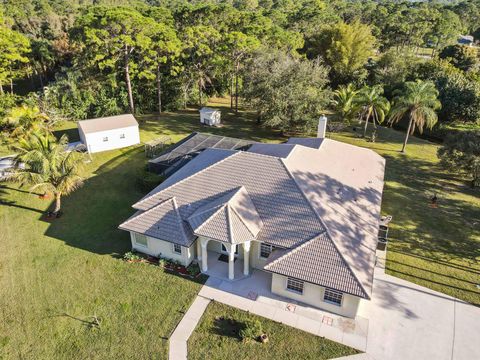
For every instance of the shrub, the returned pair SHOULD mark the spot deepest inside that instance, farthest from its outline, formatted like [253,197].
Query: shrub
[147,180]
[132,256]
[252,330]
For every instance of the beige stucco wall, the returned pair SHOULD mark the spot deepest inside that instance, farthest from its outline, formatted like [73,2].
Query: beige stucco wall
[164,249]
[313,295]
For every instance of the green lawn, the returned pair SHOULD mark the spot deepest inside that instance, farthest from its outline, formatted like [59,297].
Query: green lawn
[55,276]
[217,337]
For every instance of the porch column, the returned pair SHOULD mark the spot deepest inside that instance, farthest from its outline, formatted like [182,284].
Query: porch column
[231,261]
[246,257]
[199,250]
[203,244]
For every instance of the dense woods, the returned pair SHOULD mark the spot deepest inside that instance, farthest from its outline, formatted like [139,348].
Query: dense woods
[287,60]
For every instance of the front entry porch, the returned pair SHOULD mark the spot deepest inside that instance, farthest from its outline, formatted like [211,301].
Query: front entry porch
[234,268]
[220,269]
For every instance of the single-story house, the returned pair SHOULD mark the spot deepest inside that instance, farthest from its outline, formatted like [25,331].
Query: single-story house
[108,133]
[306,211]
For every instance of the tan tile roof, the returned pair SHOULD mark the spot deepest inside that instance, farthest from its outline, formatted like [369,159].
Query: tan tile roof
[325,201]
[163,222]
[318,261]
[231,218]
[107,123]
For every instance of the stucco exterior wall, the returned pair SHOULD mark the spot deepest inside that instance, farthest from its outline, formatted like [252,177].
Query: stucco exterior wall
[164,249]
[313,295]
[94,141]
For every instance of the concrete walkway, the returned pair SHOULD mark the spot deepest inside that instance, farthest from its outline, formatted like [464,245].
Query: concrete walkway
[402,321]
[178,341]
[247,295]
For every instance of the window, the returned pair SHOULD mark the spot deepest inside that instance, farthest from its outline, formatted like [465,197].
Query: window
[224,249]
[295,285]
[105,138]
[333,297]
[122,136]
[141,240]
[177,249]
[266,250]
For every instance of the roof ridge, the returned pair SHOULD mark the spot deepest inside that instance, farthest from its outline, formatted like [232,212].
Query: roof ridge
[234,152]
[296,249]
[146,211]
[229,225]
[180,220]
[241,220]
[326,230]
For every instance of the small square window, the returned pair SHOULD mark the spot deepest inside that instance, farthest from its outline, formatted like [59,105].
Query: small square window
[177,249]
[266,250]
[295,285]
[333,297]
[105,138]
[141,240]
[122,136]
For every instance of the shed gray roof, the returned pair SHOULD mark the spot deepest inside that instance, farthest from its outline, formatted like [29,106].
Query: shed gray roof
[325,201]
[107,123]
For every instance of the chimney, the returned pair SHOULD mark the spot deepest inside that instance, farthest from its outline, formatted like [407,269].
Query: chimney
[322,127]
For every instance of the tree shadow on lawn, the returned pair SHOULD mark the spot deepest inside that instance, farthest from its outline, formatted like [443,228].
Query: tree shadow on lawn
[450,228]
[226,326]
[241,126]
[92,214]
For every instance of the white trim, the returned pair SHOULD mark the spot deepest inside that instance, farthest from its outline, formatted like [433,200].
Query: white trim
[174,250]
[140,244]
[293,290]
[335,292]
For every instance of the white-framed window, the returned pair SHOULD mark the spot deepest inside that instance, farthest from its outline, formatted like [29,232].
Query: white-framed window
[122,136]
[141,240]
[105,138]
[266,250]
[295,285]
[332,296]
[224,249]
[177,249]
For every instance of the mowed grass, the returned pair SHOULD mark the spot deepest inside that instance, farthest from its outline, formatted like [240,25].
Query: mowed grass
[56,276]
[217,337]
[435,247]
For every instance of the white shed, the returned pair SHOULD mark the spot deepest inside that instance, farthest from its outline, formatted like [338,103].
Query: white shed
[209,116]
[108,133]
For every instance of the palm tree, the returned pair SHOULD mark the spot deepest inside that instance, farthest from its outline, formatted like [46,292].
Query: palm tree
[418,101]
[344,101]
[374,105]
[22,120]
[48,166]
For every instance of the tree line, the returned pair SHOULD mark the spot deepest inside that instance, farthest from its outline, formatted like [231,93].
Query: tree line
[287,60]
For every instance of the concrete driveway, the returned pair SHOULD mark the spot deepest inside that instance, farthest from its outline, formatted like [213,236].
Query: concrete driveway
[408,321]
